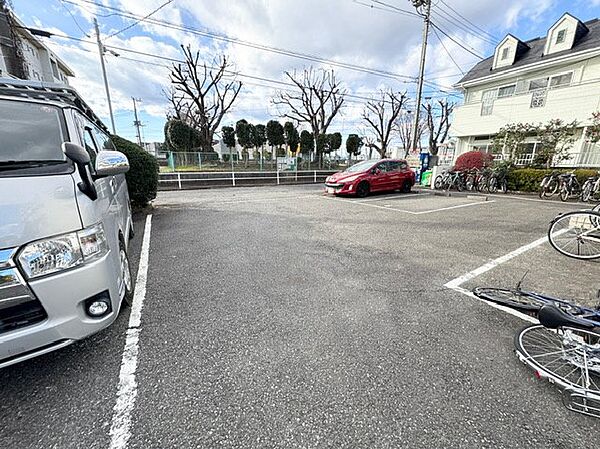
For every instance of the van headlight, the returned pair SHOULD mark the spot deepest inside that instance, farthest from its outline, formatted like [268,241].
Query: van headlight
[63,252]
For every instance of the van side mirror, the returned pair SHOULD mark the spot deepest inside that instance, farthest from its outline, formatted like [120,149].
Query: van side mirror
[110,163]
[81,158]
[76,153]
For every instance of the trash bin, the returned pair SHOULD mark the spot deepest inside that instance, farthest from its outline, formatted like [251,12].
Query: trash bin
[426,178]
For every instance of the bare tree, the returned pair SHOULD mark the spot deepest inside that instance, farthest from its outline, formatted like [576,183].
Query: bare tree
[380,114]
[438,129]
[200,95]
[318,101]
[404,126]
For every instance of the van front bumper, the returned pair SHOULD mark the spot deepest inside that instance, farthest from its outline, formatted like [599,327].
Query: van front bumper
[63,296]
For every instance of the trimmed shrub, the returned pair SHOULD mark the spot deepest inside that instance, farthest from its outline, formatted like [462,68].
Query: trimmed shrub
[529,179]
[179,136]
[142,177]
[473,159]
[526,179]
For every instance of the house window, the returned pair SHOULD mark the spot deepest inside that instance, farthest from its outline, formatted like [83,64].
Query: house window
[487,102]
[538,98]
[504,54]
[540,83]
[561,80]
[54,68]
[560,36]
[526,154]
[506,91]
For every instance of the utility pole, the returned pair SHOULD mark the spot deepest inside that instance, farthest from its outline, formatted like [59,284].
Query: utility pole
[101,51]
[137,122]
[417,4]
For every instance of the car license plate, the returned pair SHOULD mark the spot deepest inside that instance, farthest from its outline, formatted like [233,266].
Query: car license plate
[330,190]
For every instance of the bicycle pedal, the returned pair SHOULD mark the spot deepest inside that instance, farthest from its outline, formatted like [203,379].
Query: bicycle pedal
[582,402]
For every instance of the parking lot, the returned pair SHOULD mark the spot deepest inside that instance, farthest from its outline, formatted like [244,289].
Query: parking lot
[279,317]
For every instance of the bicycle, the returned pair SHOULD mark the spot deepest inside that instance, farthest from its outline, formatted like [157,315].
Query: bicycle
[470,179]
[449,179]
[549,185]
[497,181]
[577,234]
[482,180]
[569,186]
[563,349]
[590,188]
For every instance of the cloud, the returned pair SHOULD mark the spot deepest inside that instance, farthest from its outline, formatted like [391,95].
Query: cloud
[337,30]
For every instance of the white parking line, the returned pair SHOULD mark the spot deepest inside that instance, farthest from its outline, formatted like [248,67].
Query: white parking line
[120,428]
[453,207]
[388,207]
[455,284]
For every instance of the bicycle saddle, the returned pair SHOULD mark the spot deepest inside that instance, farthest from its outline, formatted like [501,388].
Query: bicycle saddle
[552,317]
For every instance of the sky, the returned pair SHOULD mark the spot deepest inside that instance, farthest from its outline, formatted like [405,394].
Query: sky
[373,34]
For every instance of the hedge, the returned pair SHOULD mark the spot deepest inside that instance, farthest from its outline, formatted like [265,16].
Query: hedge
[529,179]
[142,177]
[473,160]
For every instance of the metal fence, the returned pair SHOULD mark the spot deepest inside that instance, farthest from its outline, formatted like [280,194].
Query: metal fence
[195,180]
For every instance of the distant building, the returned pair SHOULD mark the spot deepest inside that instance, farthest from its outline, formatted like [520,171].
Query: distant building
[155,149]
[552,77]
[25,56]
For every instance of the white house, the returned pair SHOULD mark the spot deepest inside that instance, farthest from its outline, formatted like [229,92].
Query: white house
[25,56]
[554,76]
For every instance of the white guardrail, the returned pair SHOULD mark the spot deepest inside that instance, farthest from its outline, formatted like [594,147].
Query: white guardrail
[179,179]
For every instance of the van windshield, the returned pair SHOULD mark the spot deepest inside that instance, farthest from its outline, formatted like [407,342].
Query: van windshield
[30,133]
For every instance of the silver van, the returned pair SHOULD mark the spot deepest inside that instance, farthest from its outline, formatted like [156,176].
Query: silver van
[65,221]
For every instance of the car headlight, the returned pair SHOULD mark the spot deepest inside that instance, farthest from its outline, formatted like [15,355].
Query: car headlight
[63,252]
[350,179]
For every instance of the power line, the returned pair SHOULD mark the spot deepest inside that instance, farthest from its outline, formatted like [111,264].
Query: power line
[285,52]
[464,47]
[74,19]
[139,20]
[470,22]
[444,47]
[454,23]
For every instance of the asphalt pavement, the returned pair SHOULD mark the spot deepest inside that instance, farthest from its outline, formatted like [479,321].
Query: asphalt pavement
[277,317]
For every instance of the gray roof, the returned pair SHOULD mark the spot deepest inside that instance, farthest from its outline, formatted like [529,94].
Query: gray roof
[588,37]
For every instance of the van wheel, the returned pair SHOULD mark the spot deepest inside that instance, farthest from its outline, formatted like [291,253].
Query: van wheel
[406,187]
[363,189]
[126,275]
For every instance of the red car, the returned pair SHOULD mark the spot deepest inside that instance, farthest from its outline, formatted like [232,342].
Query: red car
[371,176]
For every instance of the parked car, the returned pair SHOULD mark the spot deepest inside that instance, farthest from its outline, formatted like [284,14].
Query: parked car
[372,176]
[65,221]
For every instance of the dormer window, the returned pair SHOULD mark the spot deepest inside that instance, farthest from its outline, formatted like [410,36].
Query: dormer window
[504,54]
[560,36]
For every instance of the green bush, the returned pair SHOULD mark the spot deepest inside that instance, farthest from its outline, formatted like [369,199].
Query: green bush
[142,177]
[526,179]
[529,179]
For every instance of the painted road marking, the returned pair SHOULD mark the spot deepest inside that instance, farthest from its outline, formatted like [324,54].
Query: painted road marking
[388,207]
[455,284]
[120,428]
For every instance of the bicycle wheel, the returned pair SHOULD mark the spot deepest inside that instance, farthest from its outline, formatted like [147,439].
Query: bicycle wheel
[568,357]
[586,191]
[551,188]
[515,299]
[522,301]
[576,234]
[564,193]
[493,185]
[504,186]
[459,184]
[437,184]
